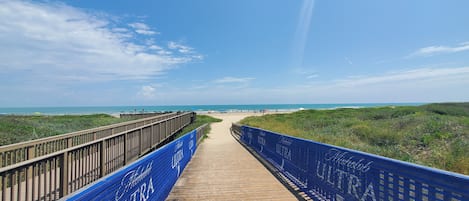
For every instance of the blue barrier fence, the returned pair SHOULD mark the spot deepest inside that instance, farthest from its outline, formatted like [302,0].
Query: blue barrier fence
[149,178]
[327,172]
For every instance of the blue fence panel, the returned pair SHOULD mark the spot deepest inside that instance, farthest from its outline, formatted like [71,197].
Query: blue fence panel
[327,172]
[149,178]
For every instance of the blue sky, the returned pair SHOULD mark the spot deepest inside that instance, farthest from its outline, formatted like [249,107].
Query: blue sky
[179,52]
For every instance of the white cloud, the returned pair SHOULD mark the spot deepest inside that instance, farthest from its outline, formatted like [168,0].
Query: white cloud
[147,92]
[225,80]
[164,52]
[56,42]
[139,25]
[155,47]
[142,28]
[120,29]
[432,50]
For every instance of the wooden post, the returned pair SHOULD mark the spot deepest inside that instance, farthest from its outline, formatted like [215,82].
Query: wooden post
[69,142]
[31,152]
[151,135]
[102,161]
[64,174]
[125,149]
[140,139]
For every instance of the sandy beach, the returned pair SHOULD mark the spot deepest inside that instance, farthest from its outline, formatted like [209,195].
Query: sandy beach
[243,114]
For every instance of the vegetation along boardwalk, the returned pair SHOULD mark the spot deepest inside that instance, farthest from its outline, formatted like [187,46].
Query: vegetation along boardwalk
[224,170]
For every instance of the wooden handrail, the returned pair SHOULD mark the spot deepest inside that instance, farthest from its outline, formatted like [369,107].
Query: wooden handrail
[56,174]
[14,153]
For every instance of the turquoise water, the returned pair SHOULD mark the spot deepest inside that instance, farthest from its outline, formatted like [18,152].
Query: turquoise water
[196,108]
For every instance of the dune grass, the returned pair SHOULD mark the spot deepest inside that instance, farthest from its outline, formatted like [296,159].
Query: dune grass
[435,135]
[14,128]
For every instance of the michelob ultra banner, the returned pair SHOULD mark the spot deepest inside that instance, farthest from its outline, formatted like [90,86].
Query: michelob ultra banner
[149,178]
[327,172]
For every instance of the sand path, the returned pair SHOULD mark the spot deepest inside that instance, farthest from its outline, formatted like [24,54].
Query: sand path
[222,169]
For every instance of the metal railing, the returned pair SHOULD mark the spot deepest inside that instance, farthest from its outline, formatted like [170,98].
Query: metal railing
[14,153]
[57,174]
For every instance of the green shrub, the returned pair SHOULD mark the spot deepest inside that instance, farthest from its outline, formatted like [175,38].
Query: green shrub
[435,135]
[18,128]
[453,109]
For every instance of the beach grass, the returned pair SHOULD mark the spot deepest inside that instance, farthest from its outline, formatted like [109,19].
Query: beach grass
[199,121]
[21,128]
[435,135]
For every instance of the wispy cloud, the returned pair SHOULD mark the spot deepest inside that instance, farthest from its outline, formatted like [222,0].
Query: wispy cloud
[301,33]
[311,76]
[225,80]
[432,50]
[142,28]
[348,60]
[417,85]
[410,75]
[179,47]
[53,41]
[307,73]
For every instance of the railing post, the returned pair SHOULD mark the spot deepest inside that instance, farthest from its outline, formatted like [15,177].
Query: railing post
[160,133]
[151,135]
[165,129]
[31,152]
[202,132]
[125,148]
[28,190]
[63,174]
[31,155]
[102,160]
[178,122]
[140,139]
[169,127]
[69,142]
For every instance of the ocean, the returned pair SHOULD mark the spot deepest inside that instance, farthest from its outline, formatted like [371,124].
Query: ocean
[195,108]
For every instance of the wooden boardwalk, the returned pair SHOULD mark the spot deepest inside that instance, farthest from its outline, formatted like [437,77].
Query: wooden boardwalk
[222,169]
